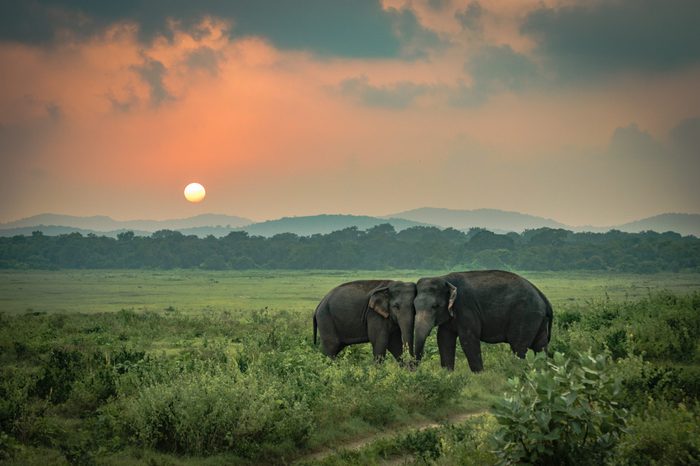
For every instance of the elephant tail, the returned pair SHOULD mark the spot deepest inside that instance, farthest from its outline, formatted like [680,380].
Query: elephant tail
[550,318]
[320,305]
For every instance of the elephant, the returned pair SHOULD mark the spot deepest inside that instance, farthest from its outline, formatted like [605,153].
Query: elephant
[492,306]
[378,311]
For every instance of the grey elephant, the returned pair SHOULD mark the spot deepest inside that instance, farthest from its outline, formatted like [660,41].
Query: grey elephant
[377,311]
[492,306]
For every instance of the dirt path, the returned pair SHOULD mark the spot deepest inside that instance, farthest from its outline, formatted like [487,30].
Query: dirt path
[360,443]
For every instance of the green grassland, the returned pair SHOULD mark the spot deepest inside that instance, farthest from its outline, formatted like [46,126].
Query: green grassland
[195,291]
[209,367]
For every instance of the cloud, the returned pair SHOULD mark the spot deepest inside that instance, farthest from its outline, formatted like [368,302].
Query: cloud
[360,28]
[124,104]
[591,38]
[632,142]
[54,111]
[438,4]
[677,156]
[416,40]
[494,69]
[685,138]
[681,145]
[204,58]
[397,96]
[470,17]
[152,73]
[500,67]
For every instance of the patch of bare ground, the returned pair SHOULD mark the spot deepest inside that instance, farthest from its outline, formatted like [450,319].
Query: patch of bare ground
[360,443]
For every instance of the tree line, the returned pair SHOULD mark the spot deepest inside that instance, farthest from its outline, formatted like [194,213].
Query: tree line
[380,247]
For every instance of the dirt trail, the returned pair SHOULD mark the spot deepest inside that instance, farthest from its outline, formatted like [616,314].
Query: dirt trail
[360,443]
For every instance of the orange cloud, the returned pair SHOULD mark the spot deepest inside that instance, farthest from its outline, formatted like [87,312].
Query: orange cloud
[270,132]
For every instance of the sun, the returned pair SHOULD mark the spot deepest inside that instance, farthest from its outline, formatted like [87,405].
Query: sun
[194,192]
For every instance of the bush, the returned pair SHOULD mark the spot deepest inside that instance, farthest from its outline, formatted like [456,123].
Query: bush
[203,413]
[564,411]
[662,434]
[59,373]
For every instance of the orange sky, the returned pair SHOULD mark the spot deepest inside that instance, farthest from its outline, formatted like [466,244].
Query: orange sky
[475,116]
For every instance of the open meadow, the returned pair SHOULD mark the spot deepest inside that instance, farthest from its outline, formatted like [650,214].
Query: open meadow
[218,367]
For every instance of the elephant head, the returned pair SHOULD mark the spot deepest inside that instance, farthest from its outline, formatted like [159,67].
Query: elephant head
[395,302]
[434,304]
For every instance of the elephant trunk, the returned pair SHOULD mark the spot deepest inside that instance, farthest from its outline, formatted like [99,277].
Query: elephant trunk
[406,326]
[424,325]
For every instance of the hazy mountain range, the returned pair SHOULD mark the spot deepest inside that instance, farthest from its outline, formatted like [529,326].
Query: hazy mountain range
[220,225]
[104,223]
[492,219]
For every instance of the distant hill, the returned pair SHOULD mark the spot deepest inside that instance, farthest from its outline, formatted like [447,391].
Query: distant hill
[55,230]
[498,221]
[491,219]
[302,226]
[309,225]
[101,223]
[685,224]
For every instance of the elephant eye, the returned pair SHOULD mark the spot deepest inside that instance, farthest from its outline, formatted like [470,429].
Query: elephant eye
[396,305]
[436,305]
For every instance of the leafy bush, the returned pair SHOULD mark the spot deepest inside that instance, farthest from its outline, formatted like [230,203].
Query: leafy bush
[60,371]
[662,434]
[562,411]
[204,413]
[642,379]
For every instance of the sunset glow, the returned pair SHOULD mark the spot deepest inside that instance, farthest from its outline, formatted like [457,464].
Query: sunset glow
[519,106]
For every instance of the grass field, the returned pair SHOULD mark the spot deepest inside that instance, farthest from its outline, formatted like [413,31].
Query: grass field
[196,291]
[199,367]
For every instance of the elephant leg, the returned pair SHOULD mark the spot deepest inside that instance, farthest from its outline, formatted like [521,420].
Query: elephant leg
[518,350]
[330,340]
[379,337]
[472,350]
[395,347]
[522,334]
[447,341]
[541,339]
[331,347]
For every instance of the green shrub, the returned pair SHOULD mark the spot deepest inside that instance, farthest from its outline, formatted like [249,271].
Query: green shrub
[672,335]
[206,413]
[662,434]
[14,393]
[643,379]
[468,443]
[562,411]
[59,373]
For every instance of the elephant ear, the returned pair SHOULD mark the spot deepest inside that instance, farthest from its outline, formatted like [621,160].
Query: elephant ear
[453,297]
[379,301]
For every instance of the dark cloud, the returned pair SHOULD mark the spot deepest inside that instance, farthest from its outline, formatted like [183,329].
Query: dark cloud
[632,142]
[470,17]
[54,111]
[500,67]
[356,29]
[495,69]
[204,58]
[416,41]
[437,5]
[124,104]
[609,36]
[152,73]
[397,96]
[677,155]
[685,138]
[684,147]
